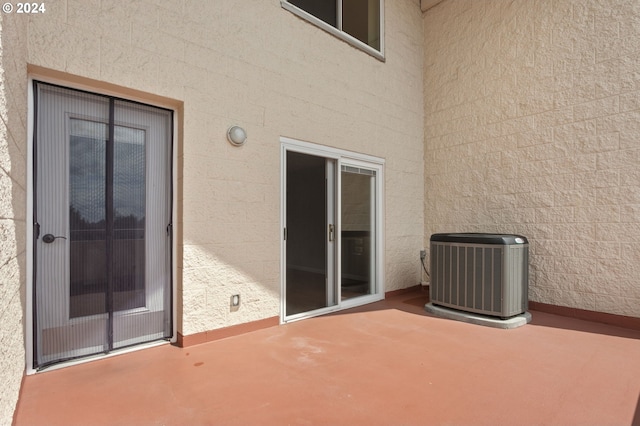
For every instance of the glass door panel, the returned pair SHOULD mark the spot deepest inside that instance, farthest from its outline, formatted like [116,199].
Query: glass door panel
[129,218]
[87,218]
[309,243]
[357,275]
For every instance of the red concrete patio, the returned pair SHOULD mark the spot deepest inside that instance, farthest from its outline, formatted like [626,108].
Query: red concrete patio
[388,363]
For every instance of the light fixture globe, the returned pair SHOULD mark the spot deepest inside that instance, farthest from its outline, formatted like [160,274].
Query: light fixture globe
[236,135]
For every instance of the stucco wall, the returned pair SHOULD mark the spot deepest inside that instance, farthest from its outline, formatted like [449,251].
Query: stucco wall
[13,161]
[259,66]
[531,127]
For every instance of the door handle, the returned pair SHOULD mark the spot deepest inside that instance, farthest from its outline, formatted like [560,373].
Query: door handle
[49,238]
[331,232]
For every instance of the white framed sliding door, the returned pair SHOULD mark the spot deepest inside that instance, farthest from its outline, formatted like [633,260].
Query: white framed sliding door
[332,223]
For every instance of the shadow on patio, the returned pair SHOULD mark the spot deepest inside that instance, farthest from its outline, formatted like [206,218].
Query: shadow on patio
[386,363]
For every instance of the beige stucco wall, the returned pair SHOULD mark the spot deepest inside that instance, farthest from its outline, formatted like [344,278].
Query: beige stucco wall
[256,65]
[219,63]
[531,127]
[13,162]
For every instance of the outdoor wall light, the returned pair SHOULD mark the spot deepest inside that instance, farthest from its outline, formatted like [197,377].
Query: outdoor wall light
[236,135]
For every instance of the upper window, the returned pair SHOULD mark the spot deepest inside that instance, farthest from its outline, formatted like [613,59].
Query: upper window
[358,22]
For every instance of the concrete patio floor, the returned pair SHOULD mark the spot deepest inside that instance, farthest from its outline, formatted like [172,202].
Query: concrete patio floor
[388,363]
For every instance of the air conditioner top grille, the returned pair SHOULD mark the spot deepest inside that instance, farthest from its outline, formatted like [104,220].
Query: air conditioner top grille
[480,238]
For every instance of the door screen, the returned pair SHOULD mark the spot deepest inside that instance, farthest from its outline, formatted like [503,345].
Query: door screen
[103,218]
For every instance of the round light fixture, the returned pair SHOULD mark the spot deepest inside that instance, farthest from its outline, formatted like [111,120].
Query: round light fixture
[236,135]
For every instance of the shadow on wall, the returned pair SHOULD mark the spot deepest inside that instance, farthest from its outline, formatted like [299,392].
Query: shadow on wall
[636,417]
[14,149]
[13,177]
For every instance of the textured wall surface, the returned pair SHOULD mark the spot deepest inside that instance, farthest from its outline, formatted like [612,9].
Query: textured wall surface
[256,65]
[532,112]
[13,162]
[500,116]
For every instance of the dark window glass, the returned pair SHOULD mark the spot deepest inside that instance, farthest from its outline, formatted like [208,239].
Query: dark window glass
[324,10]
[360,18]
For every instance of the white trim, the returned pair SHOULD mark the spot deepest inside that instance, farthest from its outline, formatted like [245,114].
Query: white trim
[29,216]
[332,214]
[329,152]
[378,54]
[174,227]
[317,312]
[348,158]
[283,221]
[382,25]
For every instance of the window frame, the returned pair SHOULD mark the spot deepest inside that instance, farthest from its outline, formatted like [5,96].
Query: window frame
[337,31]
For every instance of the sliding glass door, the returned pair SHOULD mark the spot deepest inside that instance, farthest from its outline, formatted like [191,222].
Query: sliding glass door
[332,230]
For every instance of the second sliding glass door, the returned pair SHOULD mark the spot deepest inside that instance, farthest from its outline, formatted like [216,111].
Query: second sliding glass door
[331,235]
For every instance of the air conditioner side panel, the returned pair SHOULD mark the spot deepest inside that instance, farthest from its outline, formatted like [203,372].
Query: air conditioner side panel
[486,279]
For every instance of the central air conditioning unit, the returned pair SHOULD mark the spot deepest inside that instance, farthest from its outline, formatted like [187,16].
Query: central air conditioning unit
[482,273]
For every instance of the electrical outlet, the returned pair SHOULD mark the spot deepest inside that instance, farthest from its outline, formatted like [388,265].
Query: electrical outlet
[235,302]
[423,254]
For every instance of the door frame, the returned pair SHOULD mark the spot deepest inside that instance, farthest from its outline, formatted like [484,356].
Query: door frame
[340,156]
[100,88]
